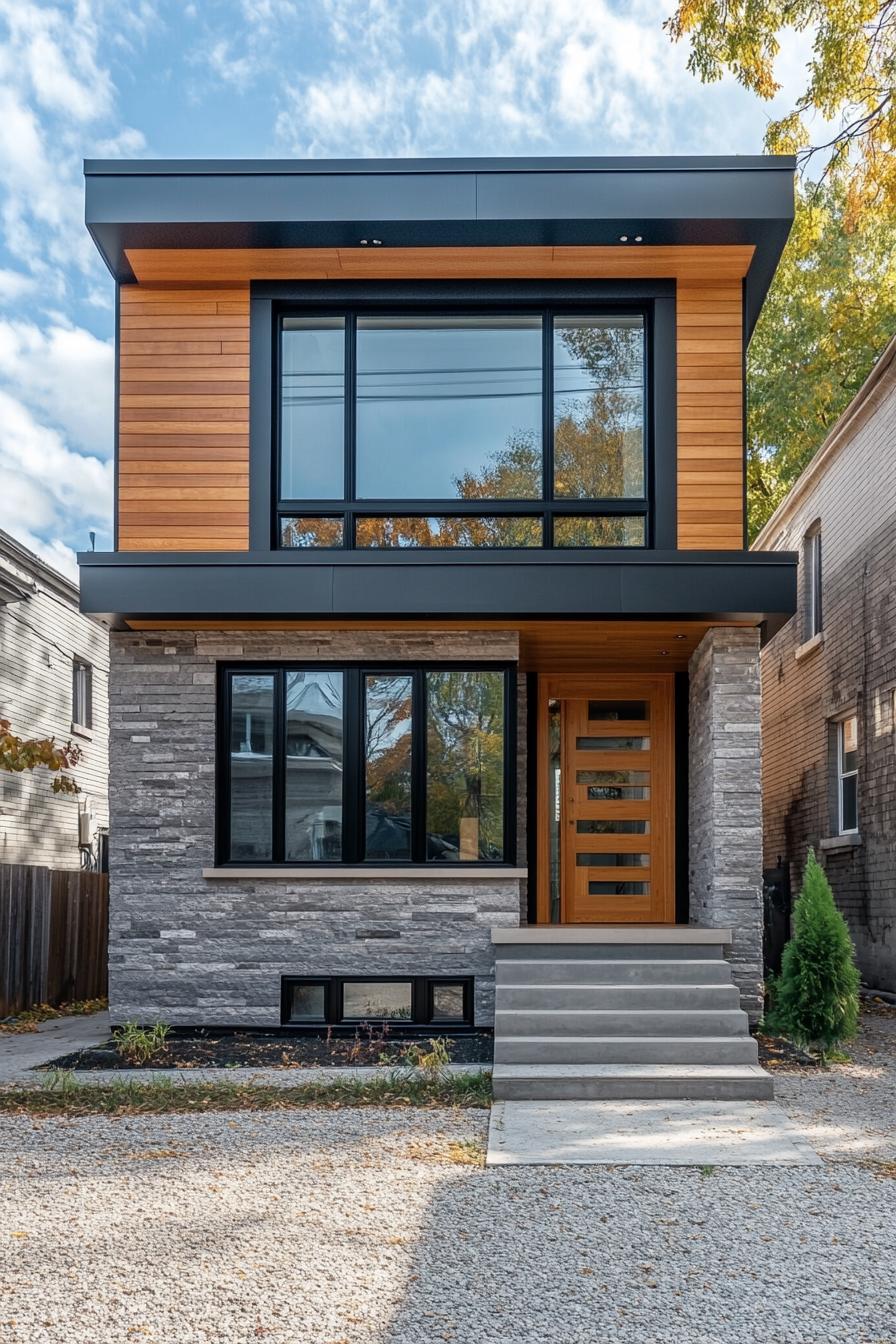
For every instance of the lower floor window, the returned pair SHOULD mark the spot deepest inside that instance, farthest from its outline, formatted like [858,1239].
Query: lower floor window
[413,1001]
[372,765]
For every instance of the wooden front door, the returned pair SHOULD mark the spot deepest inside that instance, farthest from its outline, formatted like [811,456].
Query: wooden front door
[606,800]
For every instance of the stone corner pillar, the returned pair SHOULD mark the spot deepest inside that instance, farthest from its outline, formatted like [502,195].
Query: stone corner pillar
[725,800]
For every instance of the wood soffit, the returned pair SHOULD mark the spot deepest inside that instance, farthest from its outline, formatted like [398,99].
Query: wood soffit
[625,261]
[545,646]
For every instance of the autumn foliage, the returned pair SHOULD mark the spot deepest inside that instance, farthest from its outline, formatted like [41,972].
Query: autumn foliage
[18,754]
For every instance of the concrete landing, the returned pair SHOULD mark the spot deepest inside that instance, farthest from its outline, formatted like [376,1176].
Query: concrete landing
[644,1133]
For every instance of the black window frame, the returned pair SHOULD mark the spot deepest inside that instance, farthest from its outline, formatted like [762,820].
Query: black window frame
[353,770]
[654,301]
[422,1015]
[81,665]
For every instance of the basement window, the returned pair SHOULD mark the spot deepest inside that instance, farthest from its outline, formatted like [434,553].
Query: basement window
[399,1003]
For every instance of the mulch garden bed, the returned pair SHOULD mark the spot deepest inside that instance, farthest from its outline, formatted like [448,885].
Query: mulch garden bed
[777,1052]
[210,1050]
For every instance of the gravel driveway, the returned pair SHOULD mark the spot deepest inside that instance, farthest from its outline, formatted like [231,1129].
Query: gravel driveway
[372,1227]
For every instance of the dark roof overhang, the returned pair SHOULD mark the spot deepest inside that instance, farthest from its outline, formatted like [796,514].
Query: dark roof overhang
[275,203]
[252,586]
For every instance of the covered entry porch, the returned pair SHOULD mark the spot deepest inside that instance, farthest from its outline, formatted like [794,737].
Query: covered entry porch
[639,781]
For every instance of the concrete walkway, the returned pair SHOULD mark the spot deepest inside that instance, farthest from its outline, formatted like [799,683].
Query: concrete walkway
[644,1133]
[22,1051]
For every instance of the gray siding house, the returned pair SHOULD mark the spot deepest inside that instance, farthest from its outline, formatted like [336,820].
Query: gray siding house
[829,675]
[54,682]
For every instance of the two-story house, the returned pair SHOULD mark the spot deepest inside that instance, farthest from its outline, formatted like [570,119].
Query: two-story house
[436,633]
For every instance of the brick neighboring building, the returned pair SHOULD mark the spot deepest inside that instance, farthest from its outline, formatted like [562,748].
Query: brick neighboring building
[829,675]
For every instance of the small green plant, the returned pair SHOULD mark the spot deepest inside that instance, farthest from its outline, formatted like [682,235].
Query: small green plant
[138,1045]
[708,1170]
[816,997]
[434,1060]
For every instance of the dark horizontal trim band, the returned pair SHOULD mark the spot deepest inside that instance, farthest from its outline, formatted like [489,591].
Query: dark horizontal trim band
[707,163]
[785,560]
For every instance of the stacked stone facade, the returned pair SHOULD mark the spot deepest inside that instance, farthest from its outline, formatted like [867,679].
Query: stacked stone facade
[849,491]
[725,800]
[192,949]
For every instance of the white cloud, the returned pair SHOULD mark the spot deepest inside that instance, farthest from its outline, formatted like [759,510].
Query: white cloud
[508,76]
[54,95]
[232,69]
[65,375]
[14,285]
[49,490]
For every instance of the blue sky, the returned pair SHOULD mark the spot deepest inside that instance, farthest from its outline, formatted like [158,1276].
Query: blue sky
[281,78]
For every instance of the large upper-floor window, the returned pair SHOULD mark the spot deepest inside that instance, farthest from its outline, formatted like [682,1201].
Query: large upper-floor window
[456,430]
[353,765]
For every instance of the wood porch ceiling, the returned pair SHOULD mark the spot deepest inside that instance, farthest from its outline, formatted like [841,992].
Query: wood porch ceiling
[545,646]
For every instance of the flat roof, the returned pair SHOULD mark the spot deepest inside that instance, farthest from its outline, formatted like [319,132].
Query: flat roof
[503,202]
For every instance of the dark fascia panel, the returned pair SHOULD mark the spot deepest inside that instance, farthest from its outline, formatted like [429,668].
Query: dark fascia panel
[724,585]
[443,202]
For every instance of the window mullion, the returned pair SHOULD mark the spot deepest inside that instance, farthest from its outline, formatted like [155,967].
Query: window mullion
[351,398]
[354,769]
[547,421]
[278,782]
[418,767]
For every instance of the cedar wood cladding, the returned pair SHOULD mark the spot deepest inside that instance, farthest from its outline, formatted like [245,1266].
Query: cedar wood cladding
[184,417]
[709,319]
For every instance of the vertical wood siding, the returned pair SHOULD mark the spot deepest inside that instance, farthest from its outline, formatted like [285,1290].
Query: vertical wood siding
[183,419]
[710,415]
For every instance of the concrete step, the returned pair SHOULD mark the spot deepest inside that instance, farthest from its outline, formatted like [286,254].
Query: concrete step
[620,1022]
[534,1049]
[651,1082]
[654,998]
[548,951]
[590,971]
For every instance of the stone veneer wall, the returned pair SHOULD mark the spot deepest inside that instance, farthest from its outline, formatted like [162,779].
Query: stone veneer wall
[191,950]
[725,800]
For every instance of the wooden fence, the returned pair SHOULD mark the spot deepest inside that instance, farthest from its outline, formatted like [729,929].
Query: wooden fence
[54,936]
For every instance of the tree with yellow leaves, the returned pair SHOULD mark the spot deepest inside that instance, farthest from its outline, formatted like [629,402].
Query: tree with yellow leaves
[850,93]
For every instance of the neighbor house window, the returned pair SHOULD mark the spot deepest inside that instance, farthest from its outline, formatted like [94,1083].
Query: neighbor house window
[847,774]
[812,590]
[82,693]
[366,765]
[463,431]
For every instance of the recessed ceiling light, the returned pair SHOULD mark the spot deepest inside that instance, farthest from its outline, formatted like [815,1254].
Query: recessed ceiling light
[681,636]
[638,238]
[623,237]
[377,242]
[664,653]
[363,242]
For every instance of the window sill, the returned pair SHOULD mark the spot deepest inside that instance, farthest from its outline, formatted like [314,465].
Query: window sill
[804,650]
[79,730]
[409,874]
[835,843]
